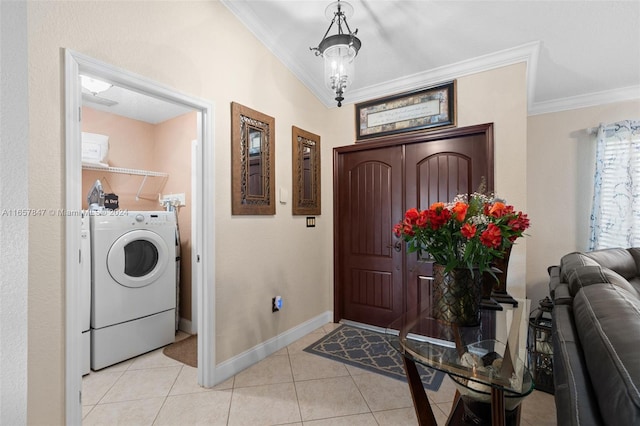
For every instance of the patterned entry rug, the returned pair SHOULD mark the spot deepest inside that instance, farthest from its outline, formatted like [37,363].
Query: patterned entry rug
[371,351]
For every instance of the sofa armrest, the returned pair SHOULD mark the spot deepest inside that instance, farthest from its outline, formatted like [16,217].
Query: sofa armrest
[562,295]
[576,403]
[558,290]
[607,319]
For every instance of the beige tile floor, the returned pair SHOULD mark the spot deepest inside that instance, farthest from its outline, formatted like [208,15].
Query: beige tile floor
[290,387]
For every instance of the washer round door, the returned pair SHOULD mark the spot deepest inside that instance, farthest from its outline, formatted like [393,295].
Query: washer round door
[137,258]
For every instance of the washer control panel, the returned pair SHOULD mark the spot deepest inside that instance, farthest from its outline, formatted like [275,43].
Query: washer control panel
[135,219]
[152,218]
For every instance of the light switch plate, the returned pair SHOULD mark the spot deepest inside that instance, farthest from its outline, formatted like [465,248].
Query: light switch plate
[284,196]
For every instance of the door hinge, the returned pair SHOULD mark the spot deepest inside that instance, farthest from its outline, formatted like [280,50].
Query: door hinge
[79,114]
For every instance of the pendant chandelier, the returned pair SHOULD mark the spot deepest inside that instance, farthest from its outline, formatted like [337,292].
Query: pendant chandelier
[338,50]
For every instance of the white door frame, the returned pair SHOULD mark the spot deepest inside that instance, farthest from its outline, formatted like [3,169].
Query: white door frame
[203,231]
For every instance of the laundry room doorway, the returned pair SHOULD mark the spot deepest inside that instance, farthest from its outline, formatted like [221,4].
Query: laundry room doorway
[199,181]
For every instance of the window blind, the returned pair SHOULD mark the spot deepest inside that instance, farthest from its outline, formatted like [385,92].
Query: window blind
[620,189]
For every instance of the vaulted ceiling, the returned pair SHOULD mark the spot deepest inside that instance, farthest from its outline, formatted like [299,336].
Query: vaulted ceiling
[578,53]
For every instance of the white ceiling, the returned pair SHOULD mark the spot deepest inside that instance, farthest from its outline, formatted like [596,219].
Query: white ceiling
[579,53]
[133,105]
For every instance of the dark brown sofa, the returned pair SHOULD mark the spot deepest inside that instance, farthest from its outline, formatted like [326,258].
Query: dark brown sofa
[596,337]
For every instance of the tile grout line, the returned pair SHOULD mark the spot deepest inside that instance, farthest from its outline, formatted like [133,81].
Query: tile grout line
[233,392]
[110,387]
[164,401]
[295,388]
[361,394]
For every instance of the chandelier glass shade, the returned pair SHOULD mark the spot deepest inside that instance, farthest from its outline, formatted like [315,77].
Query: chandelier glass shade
[339,50]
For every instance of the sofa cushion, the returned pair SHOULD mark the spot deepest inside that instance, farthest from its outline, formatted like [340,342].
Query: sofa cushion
[571,261]
[573,392]
[635,283]
[583,276]
[619,260]
[607,320]
[635,253]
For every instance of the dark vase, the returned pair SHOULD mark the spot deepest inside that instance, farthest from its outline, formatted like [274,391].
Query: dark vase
[495,288]
[498,283]
[500,286]
[457,295]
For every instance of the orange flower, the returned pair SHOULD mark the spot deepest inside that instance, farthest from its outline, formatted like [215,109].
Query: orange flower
[438,217]
[397,229]
[468,230]
[497,209]
[423,219]
[460,211]
[408,229]
[436,206]
[472,231]
[411,216]
[491,237]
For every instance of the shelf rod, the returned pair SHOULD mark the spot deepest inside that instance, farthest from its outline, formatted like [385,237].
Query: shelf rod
[137,172]
[141,186]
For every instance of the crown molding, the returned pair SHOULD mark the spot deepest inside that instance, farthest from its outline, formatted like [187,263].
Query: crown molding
[527,53]
[245,15]
[583,101]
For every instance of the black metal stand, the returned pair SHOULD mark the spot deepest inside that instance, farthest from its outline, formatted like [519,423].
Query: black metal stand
[504,298]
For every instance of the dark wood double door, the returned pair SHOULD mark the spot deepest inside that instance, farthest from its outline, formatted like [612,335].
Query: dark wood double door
[375,280]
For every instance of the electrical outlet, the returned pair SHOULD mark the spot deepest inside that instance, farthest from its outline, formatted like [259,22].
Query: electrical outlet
[180,198]
[276,304]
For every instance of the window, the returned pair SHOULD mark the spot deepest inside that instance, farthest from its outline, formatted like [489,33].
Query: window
[615,217]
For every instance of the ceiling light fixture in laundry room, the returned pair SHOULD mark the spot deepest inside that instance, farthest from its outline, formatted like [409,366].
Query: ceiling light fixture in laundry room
[338,50]
[93,85]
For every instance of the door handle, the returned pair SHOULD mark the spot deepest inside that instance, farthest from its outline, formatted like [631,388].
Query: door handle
[397,246]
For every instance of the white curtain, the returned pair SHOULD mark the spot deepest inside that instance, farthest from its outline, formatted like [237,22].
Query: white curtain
[615,217]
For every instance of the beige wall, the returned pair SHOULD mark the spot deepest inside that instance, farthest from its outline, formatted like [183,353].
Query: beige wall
[131,145]
[181,44]
[172,154]
[499,96]
[184,45]
[561,160]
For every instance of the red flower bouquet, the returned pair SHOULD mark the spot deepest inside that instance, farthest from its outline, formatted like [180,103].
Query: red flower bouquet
[470,232]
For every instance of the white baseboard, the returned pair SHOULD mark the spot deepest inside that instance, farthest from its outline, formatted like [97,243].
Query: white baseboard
[246,359]
[186,326]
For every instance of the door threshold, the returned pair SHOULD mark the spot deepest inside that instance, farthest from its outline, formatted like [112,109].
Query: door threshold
[367,326]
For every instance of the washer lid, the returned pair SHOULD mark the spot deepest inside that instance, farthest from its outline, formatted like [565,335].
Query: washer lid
[137,258]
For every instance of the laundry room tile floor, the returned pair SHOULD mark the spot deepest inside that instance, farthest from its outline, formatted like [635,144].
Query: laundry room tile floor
[290,387]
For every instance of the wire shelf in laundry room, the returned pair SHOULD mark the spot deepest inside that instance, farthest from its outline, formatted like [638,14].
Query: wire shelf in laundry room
[159,178]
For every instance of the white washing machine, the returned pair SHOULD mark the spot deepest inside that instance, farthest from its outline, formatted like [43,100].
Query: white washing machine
[133,284]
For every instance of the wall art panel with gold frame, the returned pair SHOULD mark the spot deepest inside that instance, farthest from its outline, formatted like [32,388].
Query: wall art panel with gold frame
[252,162]
[306,172]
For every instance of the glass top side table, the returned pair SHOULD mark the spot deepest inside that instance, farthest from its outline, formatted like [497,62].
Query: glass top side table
[485,362]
